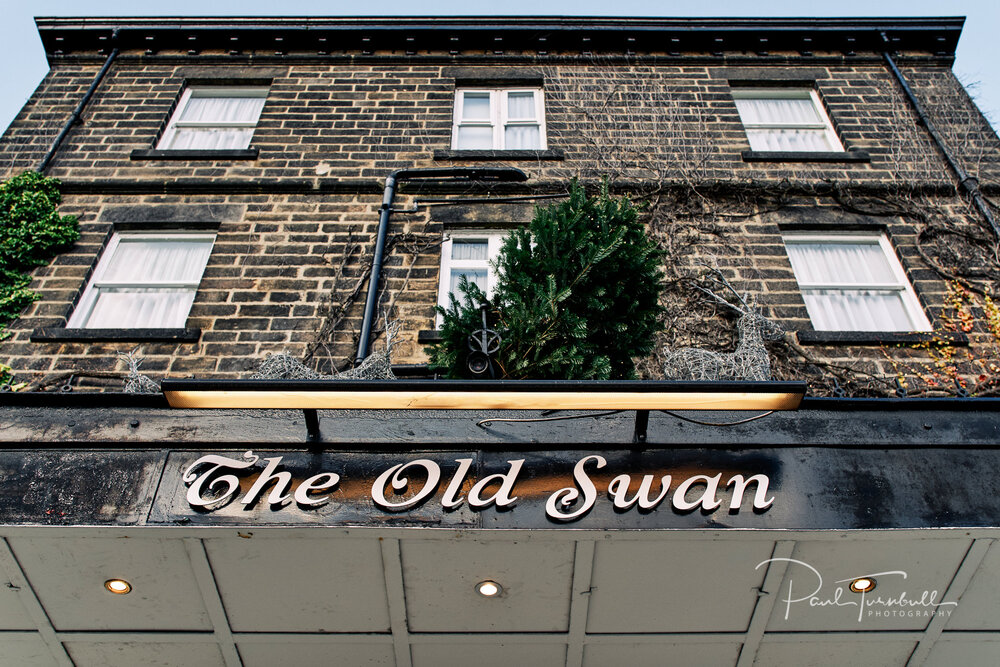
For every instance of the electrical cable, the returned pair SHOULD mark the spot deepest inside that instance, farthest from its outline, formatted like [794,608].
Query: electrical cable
[703,423]
[482,423]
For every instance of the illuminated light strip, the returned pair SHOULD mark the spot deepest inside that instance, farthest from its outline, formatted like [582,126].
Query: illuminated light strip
[324,399]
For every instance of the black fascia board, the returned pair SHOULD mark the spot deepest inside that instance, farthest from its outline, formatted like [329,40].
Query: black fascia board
[936,35]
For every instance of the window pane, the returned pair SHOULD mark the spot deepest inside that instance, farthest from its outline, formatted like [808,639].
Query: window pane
[841,263]
[521,106]
[469,249]
[525,137]
[469,256]
[223,109]
[475,276]
[475,138]
[778,111]
[857,310]
[140,308]
[476,106]
[207,138]
[812,141]
[147,261]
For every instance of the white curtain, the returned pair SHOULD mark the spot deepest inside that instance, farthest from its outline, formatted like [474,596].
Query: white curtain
[856,310]
[475,276]
[783,112]
[138,265]
[210,138]
[140,308]
[790,140]
[522,137]
[521,106]
[476,106]
[158,261]
[222,109]
[475,137]
[520,109]
[848,308]
[469,249]
[840,263]
[778,111]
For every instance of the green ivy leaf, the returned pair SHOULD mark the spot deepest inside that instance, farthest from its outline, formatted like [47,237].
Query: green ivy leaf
[31,233]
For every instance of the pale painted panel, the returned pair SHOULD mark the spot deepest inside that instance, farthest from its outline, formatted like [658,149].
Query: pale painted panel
[312,585]
[498,654]
[316,653]
[979,607]
[12,613]
[25,653]
[656,655]
[154,654]
[440,582]
[967,653]
[834,653]
[675,586]
[68,575]
[929,566]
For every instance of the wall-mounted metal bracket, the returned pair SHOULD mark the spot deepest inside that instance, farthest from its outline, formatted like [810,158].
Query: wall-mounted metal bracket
[312,425]
[641,424]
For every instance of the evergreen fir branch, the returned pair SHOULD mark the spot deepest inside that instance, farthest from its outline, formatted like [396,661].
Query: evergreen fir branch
[576,297]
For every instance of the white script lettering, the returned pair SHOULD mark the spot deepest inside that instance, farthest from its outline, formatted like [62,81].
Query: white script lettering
[399,482]
[565,497]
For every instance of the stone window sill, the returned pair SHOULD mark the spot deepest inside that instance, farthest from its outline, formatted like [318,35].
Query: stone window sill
[879,337]
[550,154]
[429,337]
[240,154]
[63,335]
[795,156]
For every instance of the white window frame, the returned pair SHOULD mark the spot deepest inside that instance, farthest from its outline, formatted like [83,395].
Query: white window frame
[791,94]
[900,284]
[494,239]
[81,314]
[498,119]
[208,91]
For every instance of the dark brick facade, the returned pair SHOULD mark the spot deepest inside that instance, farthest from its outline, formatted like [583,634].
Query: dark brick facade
[336,123]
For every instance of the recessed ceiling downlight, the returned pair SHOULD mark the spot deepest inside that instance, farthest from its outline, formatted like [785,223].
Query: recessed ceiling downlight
[489,589]
[118,586]
[863,585]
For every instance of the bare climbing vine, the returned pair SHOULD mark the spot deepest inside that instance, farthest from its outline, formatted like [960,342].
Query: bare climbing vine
[658,142]
[334,343]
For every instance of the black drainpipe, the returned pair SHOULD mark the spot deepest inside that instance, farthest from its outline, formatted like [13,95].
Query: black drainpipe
[966,183]
[396,177]
[78,111]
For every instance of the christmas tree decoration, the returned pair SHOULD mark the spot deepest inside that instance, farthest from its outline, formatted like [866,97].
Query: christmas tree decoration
[576,297]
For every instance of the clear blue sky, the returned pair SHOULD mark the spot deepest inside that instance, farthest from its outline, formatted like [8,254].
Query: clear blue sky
[22,61]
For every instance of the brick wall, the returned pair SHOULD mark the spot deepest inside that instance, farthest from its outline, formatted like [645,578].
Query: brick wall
[329,134]
[344,122]
[271,278]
